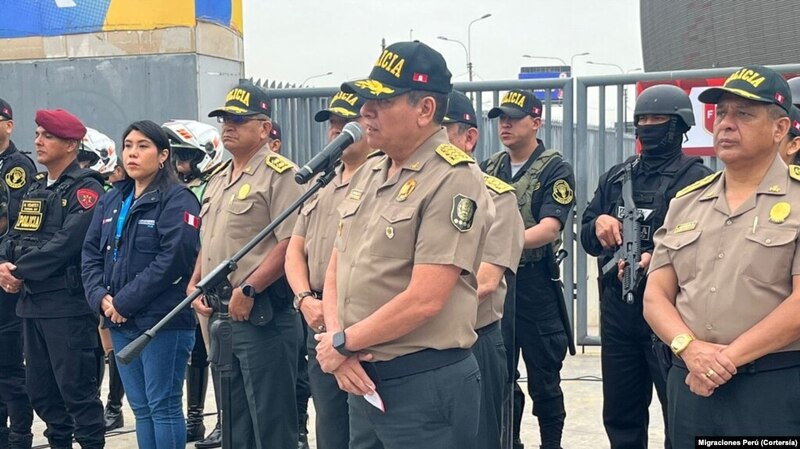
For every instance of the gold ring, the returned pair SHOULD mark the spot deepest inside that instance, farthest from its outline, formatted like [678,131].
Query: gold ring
[710,373]
[321,328]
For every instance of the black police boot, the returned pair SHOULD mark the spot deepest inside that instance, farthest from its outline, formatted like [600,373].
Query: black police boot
[302,424]
[213,440]
[112,417]
[20,440]
[196,387]
[4,437]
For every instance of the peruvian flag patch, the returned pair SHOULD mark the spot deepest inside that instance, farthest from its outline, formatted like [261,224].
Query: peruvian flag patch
[796,125]
[420,77]
[778,97]
[191,220]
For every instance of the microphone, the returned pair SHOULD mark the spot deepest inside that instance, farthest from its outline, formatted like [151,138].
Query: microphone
[331,153]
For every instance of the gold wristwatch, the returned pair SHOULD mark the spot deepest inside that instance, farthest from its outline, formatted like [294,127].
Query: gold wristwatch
[680,342]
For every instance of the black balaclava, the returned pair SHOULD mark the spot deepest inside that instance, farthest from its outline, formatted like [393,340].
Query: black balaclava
[661,143]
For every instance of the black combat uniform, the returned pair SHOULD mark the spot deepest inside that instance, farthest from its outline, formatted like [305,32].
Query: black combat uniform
[544,187]
[16,171]
[59,328]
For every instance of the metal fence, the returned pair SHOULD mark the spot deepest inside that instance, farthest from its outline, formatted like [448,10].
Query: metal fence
[591,146]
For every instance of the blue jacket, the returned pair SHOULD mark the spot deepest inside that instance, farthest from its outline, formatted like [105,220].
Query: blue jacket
[156,255]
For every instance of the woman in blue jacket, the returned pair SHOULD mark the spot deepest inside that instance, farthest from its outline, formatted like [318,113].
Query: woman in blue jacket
[138,256]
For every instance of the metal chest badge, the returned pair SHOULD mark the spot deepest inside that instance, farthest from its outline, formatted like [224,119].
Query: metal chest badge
[244,190]
[779,212]
[463,212]
[406,190]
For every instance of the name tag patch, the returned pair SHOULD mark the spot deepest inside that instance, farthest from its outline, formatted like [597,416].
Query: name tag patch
[30,216]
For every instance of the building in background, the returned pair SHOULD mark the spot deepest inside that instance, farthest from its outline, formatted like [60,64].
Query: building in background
[700,34]
[112,62]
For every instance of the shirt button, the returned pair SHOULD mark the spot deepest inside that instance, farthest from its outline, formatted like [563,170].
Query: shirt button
[709,326]
[713,289]
[728,223]
[347,300]
[721,255]
[108,248]
[768,241]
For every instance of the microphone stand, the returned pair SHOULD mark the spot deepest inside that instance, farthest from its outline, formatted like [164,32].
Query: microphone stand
[216,284]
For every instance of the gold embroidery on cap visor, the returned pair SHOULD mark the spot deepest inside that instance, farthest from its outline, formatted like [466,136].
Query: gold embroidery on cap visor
[342,112]
[562,192]
[374,87]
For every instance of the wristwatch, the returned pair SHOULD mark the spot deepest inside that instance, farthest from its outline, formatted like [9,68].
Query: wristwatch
[249,291]
[339,340]
[298,299]
[680,342]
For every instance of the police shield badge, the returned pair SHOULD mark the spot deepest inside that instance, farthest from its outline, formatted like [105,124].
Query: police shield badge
[463,212]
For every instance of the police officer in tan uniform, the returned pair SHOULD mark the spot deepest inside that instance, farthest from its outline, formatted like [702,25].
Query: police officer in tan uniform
[496,273]
[307,259]
[401,288]
[239,202]
[789,148]
[724,282]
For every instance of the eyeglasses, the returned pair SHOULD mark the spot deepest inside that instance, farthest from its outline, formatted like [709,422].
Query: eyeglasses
[237,119]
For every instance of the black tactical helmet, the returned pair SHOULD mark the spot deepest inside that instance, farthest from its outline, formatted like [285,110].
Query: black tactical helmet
[794,87]
[664,99]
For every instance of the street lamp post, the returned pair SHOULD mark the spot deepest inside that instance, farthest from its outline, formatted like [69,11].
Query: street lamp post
[563,62]
[469,43]
[610,64]
[313,77]
[572,62]
[466,52]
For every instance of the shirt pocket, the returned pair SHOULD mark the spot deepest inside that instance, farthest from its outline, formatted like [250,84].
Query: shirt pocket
[682,249]
[347,210]
[240,222]
[769,253]
[395,234]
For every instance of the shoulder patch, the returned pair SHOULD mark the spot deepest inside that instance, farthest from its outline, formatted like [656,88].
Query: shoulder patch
[698,184]
[87,198]
[497,184]
[278,163]
[375,153]
[452,154]
[794,172]
[15,178]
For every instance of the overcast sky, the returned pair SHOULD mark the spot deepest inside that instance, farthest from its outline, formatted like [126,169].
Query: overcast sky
[291,40]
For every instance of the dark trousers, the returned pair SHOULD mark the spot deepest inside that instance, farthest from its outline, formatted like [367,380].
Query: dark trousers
[61,370]
[303,389]
[760,404]
[541,339]
[13,394]
[330,403]
[263,404]
[490,353]
[432,409]
[630,370]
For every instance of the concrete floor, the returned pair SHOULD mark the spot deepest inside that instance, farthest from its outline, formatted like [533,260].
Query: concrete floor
[582,390]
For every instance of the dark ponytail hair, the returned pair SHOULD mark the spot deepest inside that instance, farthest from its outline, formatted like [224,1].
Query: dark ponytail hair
[166,176]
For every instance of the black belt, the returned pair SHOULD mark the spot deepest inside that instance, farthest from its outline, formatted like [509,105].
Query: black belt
[488,328]
[418,362]
[769,362]
[48,285]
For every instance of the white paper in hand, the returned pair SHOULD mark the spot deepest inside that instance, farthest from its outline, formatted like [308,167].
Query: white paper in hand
[376,401]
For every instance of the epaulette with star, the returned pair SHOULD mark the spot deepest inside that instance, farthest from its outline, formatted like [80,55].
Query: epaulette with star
[453,155]
[497,185]
[794,172]
[278,163]
[698,184]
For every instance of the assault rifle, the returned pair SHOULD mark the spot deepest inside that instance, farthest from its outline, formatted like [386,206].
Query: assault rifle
[631,250]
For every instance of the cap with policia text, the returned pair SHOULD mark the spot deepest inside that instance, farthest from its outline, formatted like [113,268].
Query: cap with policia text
[402,67]
[244,99]
[275,133]
[518,104]
[794,116]
[756,83]
[344,105]
[5,110]
[460,109]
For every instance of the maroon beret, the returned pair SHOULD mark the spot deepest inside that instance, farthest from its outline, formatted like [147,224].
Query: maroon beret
[60,123]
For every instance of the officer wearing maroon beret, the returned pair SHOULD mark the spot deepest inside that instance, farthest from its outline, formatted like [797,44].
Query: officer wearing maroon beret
[40,259]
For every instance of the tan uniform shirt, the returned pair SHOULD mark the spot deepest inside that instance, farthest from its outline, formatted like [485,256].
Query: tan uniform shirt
[317,225]
[503,246]
[733,267]
[434,210]
[235,210]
